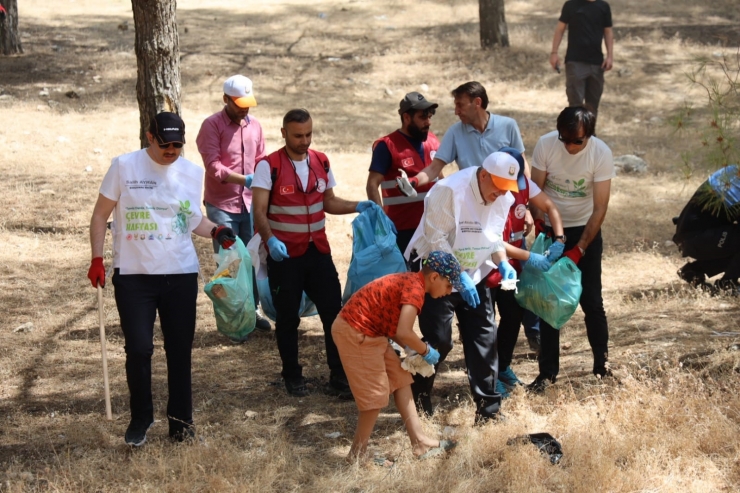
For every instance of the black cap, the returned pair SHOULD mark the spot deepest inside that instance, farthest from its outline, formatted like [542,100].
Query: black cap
[415,101]
[168,127]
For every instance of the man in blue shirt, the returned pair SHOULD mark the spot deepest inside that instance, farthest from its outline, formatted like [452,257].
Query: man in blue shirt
[708,231]
[478,134]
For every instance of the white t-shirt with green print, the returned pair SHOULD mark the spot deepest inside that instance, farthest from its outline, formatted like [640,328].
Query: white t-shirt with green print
[570,177]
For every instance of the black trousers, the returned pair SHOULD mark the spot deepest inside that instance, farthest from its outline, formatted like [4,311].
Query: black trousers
[403,238]
[591,303]
[710,237]
[478,333]
[139,298]
[510,319]
[314,273]
[715,250]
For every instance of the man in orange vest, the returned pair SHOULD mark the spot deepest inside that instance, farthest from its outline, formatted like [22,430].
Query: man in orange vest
[407,150]
[291,192]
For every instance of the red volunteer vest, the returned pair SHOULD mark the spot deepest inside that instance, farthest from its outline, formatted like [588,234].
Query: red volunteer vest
[513,233]
[405,212]
[514,228]
[296,216]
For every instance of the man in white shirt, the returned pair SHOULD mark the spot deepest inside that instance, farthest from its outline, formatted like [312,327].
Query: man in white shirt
[464,214]
[153,195]
[575,169]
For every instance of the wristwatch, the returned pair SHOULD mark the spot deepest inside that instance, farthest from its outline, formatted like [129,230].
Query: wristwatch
[560,237]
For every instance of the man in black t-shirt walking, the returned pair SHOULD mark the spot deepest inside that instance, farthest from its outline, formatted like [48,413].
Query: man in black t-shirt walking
[588,22]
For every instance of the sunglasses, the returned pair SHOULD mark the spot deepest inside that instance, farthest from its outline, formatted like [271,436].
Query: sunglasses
[176,145]
[577,142]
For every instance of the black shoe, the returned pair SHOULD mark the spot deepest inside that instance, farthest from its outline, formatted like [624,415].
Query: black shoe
[688,274]
[601,364]
[540,384]
[424,404]
[183,434]
[136,431]
[339,387]
[296,387]
[262,325]
[534,343]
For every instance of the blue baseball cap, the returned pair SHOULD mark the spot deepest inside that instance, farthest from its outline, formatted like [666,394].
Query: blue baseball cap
[445,264]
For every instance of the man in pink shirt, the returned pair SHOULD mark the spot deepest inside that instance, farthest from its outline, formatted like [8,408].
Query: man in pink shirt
[231,143]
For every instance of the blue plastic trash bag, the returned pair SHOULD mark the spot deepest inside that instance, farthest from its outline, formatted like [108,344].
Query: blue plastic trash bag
[232,293]
[551,295]
[374,250]
[307,309]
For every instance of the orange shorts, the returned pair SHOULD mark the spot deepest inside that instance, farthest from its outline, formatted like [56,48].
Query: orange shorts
[372,366]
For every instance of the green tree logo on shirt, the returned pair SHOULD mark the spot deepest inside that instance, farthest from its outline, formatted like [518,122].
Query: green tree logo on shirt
[575,189]
[180,221]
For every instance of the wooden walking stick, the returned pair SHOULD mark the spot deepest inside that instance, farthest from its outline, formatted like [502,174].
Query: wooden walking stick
[108,412]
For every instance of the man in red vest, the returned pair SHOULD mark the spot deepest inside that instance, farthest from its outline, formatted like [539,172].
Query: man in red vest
[409,149]
[291,192]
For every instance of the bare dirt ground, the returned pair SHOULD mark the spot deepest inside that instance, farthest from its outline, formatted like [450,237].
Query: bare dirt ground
[668,421]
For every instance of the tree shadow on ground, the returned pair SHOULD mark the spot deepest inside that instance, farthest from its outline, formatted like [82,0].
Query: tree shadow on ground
[308,58]
[309,64]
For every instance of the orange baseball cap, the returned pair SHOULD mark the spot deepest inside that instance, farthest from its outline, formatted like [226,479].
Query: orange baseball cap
[239,89]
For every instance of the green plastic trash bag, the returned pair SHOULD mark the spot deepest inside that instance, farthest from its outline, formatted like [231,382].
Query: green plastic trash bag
[374,250]
[553,295]
[232,293]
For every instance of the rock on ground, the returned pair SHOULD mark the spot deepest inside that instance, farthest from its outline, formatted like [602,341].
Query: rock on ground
[629,163]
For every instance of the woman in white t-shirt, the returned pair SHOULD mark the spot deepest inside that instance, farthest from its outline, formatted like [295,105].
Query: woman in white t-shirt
[154,196]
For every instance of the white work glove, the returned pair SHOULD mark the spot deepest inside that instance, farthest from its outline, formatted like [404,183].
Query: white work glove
[404,185]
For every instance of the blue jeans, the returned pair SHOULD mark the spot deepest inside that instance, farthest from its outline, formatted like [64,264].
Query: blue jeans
[242,225]
[240,222]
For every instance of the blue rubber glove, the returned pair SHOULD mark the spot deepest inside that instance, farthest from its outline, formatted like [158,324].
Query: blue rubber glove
[555,251]
[365,205]
[432,356]
[538,261]
[248,180]
[469,293]
[278,250]
[506,270]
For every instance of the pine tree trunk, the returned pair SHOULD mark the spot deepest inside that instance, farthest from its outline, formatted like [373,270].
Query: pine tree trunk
[493,30]
[158,60]
[10,41]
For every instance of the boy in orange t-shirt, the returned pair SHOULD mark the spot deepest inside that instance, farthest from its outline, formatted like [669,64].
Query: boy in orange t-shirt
[386,308]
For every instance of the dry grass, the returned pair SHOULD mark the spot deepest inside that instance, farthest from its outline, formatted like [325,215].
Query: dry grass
[670,419]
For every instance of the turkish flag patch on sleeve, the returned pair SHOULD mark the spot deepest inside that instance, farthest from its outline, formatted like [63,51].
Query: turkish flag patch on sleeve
[408,162]
[287,189]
